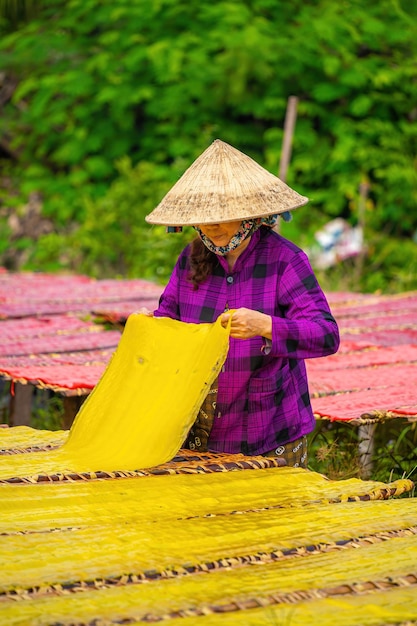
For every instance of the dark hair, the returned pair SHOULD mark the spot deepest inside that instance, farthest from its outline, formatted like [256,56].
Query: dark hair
[202,262]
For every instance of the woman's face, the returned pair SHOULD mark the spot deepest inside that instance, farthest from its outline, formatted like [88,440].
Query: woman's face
[220,234]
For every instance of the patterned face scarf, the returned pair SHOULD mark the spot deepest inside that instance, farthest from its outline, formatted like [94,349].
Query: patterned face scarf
[247,228]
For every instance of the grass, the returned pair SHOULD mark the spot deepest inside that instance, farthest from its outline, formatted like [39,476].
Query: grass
[334,451]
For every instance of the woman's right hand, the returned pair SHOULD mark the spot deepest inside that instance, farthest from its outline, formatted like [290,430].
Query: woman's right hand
[246,323]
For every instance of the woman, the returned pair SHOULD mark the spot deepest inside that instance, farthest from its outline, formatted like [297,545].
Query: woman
[261,402]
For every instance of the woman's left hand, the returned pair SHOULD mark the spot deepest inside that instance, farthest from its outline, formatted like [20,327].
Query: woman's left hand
[247,323]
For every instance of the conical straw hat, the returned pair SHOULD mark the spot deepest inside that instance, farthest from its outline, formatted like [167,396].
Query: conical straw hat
[224,185]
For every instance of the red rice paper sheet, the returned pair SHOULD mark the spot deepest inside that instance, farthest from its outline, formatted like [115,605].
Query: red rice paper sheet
[13,329]
[374,355]
[384,337]
[376,304]
[84,358]
[118,312]
[76,371]
[27,294]
[61,343]
[395,320]
[15,287]
[348,345]
[398,377]
[348,298]
[352,406]
[57,377]
[32,309]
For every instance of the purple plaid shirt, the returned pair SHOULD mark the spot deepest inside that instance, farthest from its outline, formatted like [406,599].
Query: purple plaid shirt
[263,398]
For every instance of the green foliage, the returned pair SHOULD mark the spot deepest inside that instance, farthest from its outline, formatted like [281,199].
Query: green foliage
[14,12]
[114,239]
[156,81]
[389,266]
[396,451]
[333,451]
[47,411]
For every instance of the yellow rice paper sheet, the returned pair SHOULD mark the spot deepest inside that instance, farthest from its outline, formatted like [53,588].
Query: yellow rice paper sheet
[139,413]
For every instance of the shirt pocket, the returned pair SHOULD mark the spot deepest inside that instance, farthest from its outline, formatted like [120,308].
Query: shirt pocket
[270,403]
[265,395]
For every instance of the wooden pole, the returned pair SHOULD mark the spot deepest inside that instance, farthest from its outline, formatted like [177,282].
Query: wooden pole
[21,404]
[366,449]
[72,405]
[363,196]
[289,125]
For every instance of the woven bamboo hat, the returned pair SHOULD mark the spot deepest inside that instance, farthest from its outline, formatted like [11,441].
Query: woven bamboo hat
[224,185]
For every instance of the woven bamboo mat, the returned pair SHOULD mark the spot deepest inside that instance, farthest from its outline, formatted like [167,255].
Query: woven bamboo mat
[185,462]
[236,548]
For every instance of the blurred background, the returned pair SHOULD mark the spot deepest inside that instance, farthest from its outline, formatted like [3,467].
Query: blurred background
[104,104]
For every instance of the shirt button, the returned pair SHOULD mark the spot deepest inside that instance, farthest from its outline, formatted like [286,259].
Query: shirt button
[229,279]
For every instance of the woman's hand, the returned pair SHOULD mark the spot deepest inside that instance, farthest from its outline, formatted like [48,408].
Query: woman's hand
[144,311]
[247,323]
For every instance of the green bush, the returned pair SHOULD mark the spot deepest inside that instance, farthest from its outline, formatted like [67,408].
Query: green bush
[92,82]
[389,266]
[334,451]
[115,240]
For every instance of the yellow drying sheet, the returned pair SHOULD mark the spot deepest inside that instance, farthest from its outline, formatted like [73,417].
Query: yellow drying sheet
[103,551]
[139,413]
[38,507]
[20,438]
[288,577]
[148,549]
